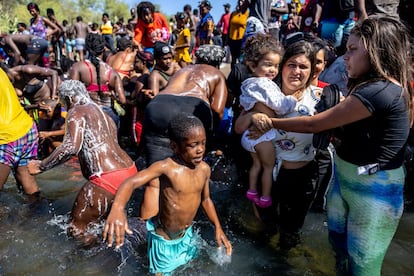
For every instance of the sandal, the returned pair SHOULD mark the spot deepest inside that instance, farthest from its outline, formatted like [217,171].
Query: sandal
[264,202]
[252,195]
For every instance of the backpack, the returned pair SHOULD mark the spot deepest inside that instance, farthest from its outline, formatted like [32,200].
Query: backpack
[330,97]
[346,5]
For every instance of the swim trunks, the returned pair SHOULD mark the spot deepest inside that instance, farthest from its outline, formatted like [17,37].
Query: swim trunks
[21,151]
[37,46]
[80,44]
[158,114]
[111,181]
[167,255]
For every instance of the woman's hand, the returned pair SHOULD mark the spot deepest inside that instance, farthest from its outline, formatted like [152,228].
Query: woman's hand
[262,122]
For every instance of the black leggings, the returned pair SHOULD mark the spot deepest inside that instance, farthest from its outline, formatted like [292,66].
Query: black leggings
[292,195]
[294,192]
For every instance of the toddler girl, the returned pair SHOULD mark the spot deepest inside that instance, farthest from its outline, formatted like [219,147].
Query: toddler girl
[262,55]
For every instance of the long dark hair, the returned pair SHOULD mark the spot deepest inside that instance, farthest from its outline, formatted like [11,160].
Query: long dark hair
[300,47]
[387,42]
[95,45]
[143,8]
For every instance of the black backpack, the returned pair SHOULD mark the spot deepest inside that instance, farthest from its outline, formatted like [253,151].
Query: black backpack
[330,97]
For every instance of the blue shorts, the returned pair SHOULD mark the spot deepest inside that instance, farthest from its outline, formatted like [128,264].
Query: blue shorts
[21,151]
[37,46]
[167,255]
[80,44]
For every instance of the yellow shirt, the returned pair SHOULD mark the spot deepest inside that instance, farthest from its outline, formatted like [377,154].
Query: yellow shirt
[14,120]
[106,28]
[237,25]
[183,53]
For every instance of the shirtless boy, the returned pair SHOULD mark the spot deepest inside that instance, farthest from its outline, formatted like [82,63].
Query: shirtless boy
[165,67]
[92,136]
[198,89]
[184,185]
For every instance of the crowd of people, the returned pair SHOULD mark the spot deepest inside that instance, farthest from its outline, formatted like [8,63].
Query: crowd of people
[78,90]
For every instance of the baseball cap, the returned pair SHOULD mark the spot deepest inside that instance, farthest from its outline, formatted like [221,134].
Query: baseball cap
[205,3]
[227,5]
[161,49]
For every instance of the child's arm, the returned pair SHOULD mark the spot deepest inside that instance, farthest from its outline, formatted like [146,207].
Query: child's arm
[46,134]
[262,108]
[116,222]
[211,213]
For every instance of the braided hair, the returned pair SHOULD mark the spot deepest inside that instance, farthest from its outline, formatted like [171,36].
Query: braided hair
[95,45]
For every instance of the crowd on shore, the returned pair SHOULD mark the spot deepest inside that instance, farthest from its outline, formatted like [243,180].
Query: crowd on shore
[313,111]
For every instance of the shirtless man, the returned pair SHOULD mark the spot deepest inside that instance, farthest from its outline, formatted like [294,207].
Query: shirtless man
[81,29]
[29,82]
[92,136]
[198,89]
[164,68]
[184,185]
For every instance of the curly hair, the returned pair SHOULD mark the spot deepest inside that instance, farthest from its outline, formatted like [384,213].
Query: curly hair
[74,90]
[95,45]
[181,125]
[259,45]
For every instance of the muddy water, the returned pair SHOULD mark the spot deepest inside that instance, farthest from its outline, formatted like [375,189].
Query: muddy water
[33,239]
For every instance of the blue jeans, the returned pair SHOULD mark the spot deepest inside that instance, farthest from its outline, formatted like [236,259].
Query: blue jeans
[335,30]
[109,42]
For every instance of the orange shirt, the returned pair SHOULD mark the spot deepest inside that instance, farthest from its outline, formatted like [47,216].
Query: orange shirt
[147,34]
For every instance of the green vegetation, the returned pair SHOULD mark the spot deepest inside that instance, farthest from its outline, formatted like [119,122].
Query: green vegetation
[90,10]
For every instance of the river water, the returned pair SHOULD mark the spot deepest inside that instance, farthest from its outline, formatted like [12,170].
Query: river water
[33,239]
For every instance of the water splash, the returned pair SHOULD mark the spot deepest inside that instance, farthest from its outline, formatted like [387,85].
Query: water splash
[219,256]
[61,221]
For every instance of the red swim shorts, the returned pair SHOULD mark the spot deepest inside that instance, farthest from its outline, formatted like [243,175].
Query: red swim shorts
[111,181]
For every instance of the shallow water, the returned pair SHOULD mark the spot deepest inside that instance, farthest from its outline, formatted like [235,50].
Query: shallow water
[33,239]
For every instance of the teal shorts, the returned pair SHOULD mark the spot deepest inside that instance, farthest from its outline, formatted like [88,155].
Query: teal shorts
[167,255]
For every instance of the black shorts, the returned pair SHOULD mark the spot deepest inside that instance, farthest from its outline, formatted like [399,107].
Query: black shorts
[37,46]
[158,114]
